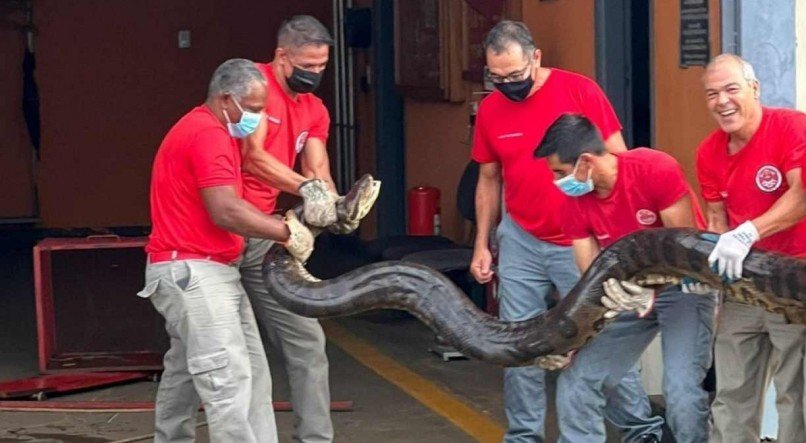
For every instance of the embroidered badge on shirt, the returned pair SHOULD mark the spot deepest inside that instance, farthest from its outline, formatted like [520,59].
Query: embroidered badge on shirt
[301,139]
[646,217]
[511,135]
[768,178]
[274,120]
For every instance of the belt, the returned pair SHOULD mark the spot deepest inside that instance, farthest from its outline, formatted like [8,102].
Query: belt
[157,257]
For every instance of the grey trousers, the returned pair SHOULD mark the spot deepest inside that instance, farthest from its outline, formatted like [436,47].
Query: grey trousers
[216,356]
[753,345]
[301,341]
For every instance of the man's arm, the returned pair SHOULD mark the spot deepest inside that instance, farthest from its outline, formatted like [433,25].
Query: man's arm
[716,216]
[316,162]
[615,143]
[679,215]
[232,213]
[788,210]
[266,167]
[585,251]
[488,207]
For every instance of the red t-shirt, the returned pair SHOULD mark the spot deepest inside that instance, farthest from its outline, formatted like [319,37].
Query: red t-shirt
[751,180]
[291,123]
[508,133]
[648,182]
[197,153]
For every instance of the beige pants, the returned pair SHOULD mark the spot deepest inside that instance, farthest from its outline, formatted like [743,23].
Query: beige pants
[216,356]
[301,342]
[753,345]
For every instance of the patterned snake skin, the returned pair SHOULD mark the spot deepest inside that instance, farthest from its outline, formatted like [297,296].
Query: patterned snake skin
[649,257]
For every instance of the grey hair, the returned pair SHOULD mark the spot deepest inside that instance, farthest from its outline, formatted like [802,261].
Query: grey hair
[301,30]
[507,32]
[235,76]
[748,72]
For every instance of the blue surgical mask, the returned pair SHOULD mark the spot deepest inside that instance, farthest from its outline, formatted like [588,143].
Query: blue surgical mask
[247,125]
[572,187]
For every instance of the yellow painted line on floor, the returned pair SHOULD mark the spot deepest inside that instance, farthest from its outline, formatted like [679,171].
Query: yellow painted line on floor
[469,420]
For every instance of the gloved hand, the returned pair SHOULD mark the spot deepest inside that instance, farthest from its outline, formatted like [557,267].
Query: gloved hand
[318,203]
[344,226]
[625,296]
[300,241]
[731,249]
[554,362]
[690,286]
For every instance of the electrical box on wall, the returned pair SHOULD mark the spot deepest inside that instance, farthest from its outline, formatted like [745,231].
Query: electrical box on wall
[183,39]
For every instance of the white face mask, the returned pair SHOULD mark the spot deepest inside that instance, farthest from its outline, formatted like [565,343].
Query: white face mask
[247,125]
[572,187]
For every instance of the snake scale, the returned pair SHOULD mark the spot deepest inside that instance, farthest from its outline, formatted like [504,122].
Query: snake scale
[649,257]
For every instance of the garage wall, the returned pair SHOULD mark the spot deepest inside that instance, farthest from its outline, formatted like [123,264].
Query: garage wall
[112,81]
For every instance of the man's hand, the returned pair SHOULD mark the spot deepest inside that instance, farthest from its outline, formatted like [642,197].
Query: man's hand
[731,249]
[481,265]
[318,203]
[300,240]
[625,296]
[554,362]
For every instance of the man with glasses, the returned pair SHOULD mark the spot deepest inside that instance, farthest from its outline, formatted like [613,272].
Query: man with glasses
[535,255]
[297,123]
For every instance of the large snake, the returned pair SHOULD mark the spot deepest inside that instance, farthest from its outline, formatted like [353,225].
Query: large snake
[650,257]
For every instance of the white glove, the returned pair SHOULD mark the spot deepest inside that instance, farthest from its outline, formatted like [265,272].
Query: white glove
[300,240]
[731,250]
[318,203]
[554,362]
[625,296]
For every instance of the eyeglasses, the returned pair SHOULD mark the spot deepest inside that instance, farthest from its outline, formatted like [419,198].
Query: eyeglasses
[513,77]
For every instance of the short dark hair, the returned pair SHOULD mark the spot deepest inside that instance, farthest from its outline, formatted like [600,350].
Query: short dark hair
[301,30]
[570,136]
[507,32]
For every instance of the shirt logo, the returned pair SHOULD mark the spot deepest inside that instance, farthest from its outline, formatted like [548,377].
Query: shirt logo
[646,217]
[301,139]
[601,237]
[768,178]
[723,194]
[511,135]
[273,119]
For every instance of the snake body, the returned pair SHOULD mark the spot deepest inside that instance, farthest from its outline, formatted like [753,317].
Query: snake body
[653,256]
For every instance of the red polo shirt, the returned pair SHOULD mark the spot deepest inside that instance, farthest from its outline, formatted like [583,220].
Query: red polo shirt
[197,153]
[750,181]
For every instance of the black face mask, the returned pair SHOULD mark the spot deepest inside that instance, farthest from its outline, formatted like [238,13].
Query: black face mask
[516,91]
[302,81]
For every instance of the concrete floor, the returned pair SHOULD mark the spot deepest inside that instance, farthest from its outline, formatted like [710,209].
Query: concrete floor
[383,412]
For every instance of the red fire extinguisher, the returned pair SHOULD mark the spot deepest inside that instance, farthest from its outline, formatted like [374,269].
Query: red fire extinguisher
[423,206]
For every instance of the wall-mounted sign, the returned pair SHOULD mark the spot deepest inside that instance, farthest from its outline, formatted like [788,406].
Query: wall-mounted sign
[694,48]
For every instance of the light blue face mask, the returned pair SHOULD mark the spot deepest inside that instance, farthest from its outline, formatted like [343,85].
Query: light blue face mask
[249,122]
[570,186]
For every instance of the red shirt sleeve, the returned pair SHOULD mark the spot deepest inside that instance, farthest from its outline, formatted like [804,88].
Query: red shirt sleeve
[796,141]
[482,150]
[598,109]
[212,159]
[706,173]
[669,182]
[575,222]
[321,123]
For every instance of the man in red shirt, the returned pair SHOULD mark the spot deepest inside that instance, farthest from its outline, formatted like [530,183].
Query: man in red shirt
[198,219]
[750,177]
[535,255]
[297,124]
[616,195]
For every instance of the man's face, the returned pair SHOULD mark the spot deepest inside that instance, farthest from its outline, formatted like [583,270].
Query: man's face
[559,169]
[311,58]
[731,99]
[512,65]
